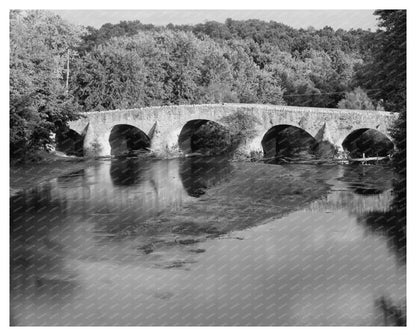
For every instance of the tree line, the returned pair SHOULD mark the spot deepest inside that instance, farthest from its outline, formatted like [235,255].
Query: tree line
[57,68]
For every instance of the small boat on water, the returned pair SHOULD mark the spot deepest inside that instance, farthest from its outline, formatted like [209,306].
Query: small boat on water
[365,160]
[346,160]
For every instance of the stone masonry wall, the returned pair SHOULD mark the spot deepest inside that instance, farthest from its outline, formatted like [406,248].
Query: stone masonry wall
[166,122]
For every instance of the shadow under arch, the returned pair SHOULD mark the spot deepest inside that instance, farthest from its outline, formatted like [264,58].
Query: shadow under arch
[127,140]
[288,141]
[204,136]
[70,142]
[367,141]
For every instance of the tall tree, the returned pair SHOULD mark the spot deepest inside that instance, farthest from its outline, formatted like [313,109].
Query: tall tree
[40,44]
[386,73]
[111,76]
[389,75]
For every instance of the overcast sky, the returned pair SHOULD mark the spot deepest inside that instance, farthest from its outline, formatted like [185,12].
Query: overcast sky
[345,19]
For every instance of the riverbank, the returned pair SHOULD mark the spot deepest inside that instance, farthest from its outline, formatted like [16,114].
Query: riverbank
[29,174]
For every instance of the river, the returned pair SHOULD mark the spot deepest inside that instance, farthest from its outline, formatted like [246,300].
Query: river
[207,241]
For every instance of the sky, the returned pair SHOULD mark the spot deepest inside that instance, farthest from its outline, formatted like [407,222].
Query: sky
[345,19]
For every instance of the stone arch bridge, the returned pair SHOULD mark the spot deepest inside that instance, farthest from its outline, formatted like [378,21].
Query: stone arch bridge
[163,126]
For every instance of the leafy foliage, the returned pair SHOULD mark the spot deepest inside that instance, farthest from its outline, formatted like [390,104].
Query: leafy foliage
[163,68]
[40,101]
[211,139]
[237,61]
[241,125]
[398,133]
[356,100]
[131,64]
[385,72]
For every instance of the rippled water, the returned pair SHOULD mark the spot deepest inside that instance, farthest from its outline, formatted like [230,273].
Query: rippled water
[205,241]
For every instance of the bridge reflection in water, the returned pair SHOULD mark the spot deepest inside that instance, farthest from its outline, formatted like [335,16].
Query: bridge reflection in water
[125,243]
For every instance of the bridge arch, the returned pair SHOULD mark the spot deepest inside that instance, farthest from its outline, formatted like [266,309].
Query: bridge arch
[70,142]
[127,139]
[170,120]
[287,140]
[368,141]
[204,136]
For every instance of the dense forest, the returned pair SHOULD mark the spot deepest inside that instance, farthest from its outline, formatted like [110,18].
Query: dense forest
[57,68]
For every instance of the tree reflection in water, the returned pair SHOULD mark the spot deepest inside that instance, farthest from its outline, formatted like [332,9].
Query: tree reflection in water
[198,174]
[110,222]
[367,180]
[392,225]
[392,314]
[38,274]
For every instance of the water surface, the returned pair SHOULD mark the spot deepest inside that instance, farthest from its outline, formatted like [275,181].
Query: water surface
[206,241]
